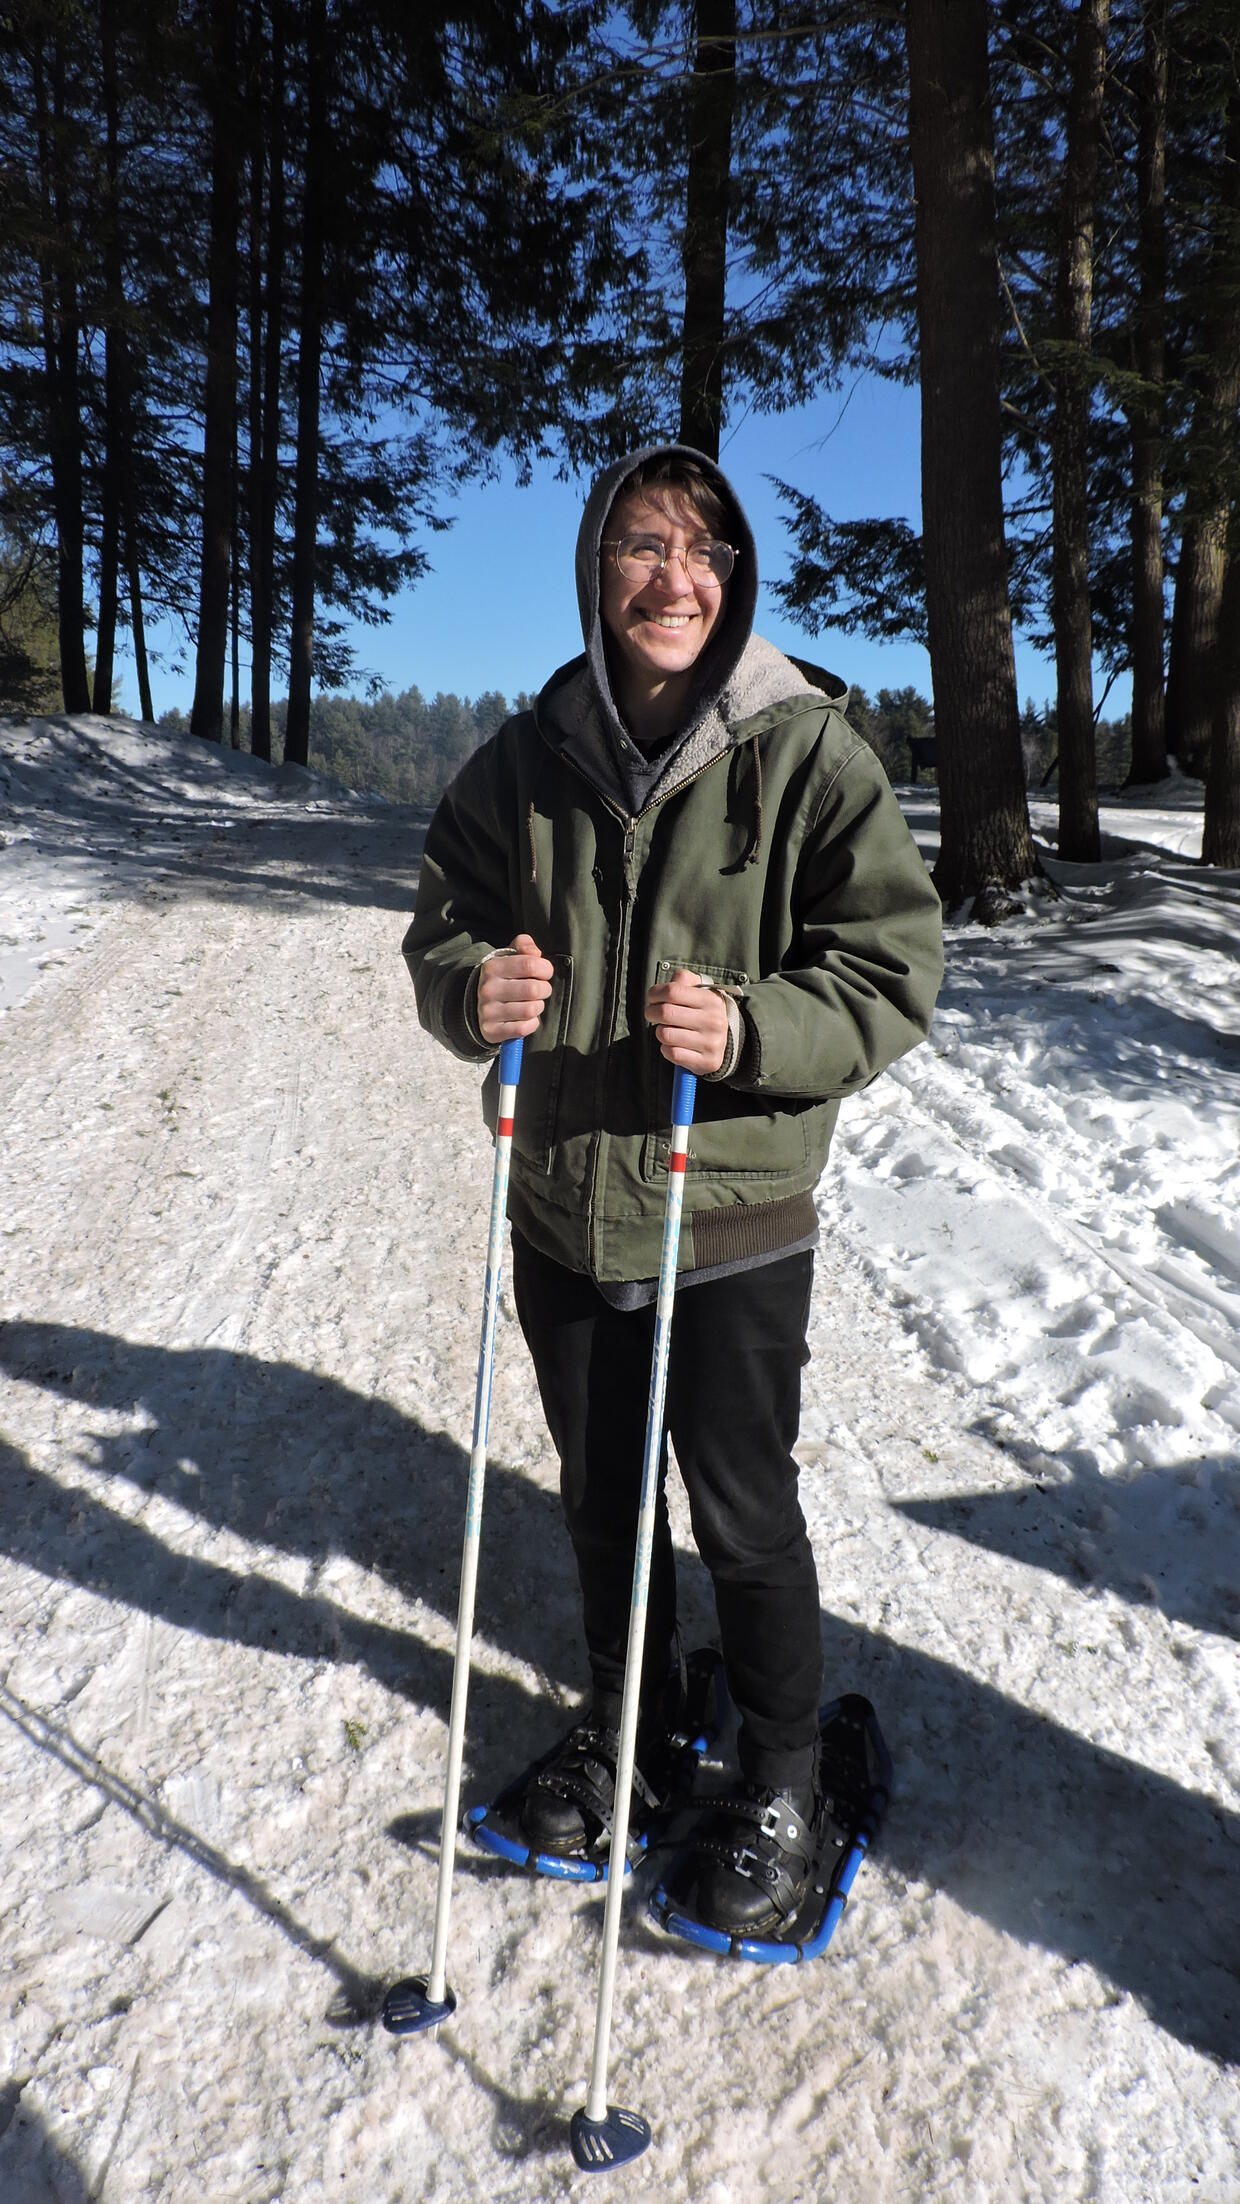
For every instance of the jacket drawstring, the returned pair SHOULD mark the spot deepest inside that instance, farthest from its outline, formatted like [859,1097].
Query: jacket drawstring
[530,816]
[756,851]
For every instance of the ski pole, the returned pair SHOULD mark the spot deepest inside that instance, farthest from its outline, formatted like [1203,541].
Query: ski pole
[422,2001]
[603,2135]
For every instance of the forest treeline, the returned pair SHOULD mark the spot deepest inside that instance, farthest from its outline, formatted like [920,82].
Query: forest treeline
[274,276]
[407,749]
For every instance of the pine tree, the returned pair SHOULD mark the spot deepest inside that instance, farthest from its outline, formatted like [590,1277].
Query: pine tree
[985,822]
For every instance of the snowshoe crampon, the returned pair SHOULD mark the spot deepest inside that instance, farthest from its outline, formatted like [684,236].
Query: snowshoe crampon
[855,1774]
[669,1772]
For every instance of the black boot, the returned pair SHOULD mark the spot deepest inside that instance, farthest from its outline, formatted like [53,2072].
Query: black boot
[570,1800]
[749,1861]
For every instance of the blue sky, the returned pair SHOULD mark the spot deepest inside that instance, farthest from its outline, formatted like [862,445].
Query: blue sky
[499,609]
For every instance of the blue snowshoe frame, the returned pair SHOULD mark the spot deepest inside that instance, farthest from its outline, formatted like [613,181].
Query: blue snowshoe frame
[856,1777]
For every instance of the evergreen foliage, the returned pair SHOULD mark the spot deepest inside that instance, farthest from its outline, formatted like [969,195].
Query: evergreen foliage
[404,747]
[29,643]
[273,278]
[408,748]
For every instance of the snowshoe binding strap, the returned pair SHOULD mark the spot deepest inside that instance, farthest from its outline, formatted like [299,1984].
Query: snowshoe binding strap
[556,1816]
[699,1889]
[582,1774]
[767,1848]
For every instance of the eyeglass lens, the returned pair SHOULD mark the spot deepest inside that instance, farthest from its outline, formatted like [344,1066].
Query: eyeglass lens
[641,557]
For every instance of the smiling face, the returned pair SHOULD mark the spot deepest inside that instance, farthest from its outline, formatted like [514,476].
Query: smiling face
[658,627]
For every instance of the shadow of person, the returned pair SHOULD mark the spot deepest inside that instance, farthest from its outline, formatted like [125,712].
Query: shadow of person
[1054,1840]
[301,1464]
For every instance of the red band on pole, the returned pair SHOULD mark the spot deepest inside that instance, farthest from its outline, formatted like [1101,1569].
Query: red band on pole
[677,1160]
[504,1128]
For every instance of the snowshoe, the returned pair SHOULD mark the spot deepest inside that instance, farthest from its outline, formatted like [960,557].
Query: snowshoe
[555,1817]
[746,1865]
[830,1841]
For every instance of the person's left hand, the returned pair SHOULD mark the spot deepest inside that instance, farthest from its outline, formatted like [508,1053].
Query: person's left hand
[691,1023]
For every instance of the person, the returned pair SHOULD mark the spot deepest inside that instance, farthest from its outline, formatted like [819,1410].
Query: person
[682,855]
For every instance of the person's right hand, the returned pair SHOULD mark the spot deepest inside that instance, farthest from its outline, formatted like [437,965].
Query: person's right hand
[513,989]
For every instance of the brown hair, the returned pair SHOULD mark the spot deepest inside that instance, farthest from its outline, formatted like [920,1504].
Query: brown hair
[675,475]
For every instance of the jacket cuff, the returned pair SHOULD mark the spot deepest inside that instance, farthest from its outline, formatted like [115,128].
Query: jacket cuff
[470,1009]
[736,1041]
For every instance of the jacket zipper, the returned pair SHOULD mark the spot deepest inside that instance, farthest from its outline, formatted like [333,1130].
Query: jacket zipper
[620,968]
[627,898]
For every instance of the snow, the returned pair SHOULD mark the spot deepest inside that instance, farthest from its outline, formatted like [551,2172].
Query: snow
[243,1204]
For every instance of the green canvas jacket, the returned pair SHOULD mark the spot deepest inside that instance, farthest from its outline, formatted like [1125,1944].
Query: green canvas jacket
[771,858]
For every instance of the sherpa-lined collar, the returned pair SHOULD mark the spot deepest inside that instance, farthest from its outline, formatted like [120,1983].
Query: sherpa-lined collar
[570,718]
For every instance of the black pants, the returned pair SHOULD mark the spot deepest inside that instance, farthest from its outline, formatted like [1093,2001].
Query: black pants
[733,1406]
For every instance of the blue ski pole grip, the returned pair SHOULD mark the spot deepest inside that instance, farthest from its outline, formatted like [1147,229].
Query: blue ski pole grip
[510,1062]
[684,1094]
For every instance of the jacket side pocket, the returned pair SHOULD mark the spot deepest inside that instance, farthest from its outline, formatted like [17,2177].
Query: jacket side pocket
[735,1135]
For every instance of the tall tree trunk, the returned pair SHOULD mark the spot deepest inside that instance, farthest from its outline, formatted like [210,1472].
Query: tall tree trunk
[1220,841]
[136,623]
[58,291]
[110,530]
[234,700]
[1146,417]
[705,252]
[1070,604]
[985,817]
[265,143]
[113,340]
[1195,611]
[273,309]
[219,407]
[119,534]
[309,363]
[1192,682]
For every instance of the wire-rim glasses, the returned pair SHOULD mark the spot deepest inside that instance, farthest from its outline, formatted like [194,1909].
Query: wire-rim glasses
[706,561]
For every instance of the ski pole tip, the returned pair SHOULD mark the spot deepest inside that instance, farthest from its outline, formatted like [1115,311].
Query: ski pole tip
[409,2007]
[599,2144]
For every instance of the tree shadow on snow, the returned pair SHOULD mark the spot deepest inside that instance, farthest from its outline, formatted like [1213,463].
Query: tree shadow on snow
[33,2168]
[130,833]
[299,1463]
[1164,1536]
[1096,1038]
[1053,1840]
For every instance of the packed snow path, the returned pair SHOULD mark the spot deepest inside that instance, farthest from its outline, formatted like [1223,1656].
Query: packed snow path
[243,1203]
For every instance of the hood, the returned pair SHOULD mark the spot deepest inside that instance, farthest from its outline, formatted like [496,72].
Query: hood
[723,651]
[738,675]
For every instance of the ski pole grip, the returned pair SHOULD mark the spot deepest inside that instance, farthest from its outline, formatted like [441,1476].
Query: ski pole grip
[510,1062]
[684,1094]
